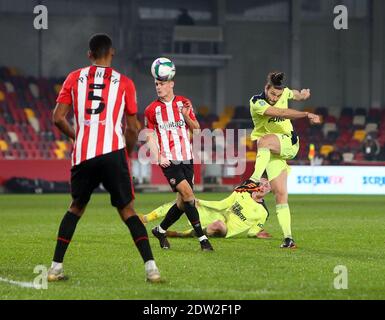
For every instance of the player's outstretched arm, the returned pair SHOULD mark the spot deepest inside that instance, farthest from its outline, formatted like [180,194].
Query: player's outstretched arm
[292,114]
[59,118]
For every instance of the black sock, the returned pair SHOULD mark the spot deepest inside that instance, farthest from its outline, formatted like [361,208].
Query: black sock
[66,231]
[173,215]
[140,236]
[193,216]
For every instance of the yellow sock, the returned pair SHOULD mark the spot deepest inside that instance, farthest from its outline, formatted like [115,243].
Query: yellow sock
[263,158]
[284,219]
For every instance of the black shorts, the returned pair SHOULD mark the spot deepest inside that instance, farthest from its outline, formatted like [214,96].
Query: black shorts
[176,173]
[111,170]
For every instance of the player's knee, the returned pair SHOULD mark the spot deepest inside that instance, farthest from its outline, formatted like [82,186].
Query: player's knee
[187,194]
[127,211]
[280,196]
[77,208]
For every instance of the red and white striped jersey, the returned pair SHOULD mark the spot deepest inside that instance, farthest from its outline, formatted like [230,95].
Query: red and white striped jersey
[173,133]
[99,96]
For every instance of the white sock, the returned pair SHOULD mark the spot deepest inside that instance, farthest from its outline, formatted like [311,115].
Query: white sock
[56,265]
[150,265]
[161,230]
[202,238]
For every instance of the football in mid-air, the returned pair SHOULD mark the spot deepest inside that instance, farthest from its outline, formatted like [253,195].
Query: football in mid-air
[163,69]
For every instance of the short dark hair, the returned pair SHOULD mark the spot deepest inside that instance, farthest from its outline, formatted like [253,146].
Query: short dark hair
[275,79]
[99,45]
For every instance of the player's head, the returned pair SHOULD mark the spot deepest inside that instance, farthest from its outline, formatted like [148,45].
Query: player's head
[274,87]
[164,89]
[263,189]
[100,47]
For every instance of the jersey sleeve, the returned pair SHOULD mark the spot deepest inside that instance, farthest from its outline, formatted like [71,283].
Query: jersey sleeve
[130,99]
[65,95]
[258,106]
[254,230]
[289,94]
[192,115]
[218,205]
[149,122]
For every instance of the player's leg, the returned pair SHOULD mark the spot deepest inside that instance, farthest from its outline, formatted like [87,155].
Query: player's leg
[267,145]
[116,179]
[157,213]
[83,182]
[185,190]
[174,174]
[140,237]
[279,189]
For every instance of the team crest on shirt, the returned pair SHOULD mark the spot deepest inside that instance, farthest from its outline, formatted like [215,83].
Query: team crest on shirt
[262,103]
[179,104]
[173,181]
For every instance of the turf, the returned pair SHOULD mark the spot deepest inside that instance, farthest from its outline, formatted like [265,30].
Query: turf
[103,263]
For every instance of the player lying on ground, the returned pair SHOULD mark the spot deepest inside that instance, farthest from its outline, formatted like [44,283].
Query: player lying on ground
[238,213]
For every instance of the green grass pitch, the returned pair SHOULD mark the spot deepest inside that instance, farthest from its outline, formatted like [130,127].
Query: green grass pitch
[103,263]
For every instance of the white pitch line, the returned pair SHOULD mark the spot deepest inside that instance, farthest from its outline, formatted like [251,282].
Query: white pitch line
[21,284]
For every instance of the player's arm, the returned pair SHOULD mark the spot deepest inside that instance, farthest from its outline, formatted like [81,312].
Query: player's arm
[292,114]
[151,141]
[131,132]
[189,116]
[302,95]
[59,118]
[218,205]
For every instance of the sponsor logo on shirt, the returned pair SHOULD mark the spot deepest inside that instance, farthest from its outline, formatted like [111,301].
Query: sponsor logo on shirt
[276,119]
[88,123]
[236,209]
[172,125]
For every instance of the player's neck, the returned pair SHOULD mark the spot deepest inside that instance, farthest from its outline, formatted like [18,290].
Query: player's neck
[167,98]
[102,63]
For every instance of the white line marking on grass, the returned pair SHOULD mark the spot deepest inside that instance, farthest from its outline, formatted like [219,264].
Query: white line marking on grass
[21,284]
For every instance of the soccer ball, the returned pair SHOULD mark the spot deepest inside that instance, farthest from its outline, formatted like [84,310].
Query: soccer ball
[163,69]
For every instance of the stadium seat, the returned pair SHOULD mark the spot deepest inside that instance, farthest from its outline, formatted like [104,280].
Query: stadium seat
[359,135]
[348,156]
[326,149]
[334,112]
[359,120]
[3,145]
[13,137]
[328,127]
[371,127]
[251,155]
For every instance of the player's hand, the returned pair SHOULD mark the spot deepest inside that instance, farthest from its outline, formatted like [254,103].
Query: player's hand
[305,94]
[164,162]
[186,109]
[314,118]
[263,235]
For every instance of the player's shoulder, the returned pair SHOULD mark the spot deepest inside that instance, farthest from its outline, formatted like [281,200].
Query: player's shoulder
[151,107]
[259,99]
[75,74]
[180,98]
[127,81]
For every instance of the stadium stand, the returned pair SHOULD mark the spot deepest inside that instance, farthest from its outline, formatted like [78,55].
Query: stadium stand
[27,132]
